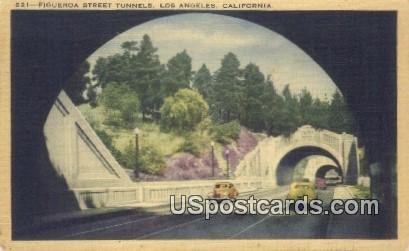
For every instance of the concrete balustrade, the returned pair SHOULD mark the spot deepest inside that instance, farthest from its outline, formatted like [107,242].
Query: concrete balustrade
[156,192]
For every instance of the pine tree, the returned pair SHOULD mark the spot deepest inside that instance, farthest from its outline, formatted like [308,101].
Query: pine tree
[228,91]
[145,77]
[253,81]
[202,81]
[178,74]
[115,68]
[319,114]
[306,107]
[289,112]
[339,119]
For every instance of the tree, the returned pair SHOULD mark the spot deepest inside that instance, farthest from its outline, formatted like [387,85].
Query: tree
[254,83]
[319,114]
[118,99]
[202,81]
[145,76]
[78,83]
[270,106]
[280,112]
[227,91]
[92,95]
[183,111]
[137,67]
[110,69]
[339,117]
[129,47]
[178,74]
[306,107]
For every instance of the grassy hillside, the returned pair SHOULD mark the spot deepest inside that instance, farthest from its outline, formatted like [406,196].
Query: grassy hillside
[178,150]
[150,134]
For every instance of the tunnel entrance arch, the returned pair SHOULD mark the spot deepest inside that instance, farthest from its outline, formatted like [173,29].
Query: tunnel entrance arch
[295,158]
[323,170]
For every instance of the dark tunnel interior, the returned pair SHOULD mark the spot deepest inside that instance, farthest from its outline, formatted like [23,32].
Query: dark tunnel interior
[285,168]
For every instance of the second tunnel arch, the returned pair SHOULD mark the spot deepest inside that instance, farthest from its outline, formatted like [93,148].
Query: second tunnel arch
[285,169]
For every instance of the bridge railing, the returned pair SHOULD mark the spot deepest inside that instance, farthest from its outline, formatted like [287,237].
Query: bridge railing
[324,137]
[155,192]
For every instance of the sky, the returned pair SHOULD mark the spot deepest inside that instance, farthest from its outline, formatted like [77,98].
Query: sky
[208,37]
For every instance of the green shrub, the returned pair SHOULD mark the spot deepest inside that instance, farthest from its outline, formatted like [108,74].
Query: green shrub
[105,137]
[190,146]
[225,133]
[128,156]
[183,111]
[107,140]
[204,125]
[151,160]
[91,119]
[121,104]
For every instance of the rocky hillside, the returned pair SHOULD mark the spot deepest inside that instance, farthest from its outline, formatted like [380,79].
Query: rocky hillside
[185,166]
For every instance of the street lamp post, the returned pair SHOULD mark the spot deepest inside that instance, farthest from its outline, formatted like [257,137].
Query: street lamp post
[136,168]
[212,144]
[227,152]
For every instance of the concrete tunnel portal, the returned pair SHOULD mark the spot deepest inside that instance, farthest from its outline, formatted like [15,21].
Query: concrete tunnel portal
[293,164]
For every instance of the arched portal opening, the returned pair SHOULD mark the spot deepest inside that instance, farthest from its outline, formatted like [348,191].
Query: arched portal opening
[296,158]
[326,169]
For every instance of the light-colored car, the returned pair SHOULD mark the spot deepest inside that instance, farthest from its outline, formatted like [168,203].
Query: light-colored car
[224,190]
[333,180]
[302,188]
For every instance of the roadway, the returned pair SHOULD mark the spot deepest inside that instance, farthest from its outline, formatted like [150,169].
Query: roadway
[160,224]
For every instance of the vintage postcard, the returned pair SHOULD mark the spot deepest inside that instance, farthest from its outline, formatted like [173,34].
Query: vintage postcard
[196,125]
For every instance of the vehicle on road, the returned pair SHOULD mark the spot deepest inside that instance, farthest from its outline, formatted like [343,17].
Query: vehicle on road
[320,183]
[224,190]
[299,189]
[333,180]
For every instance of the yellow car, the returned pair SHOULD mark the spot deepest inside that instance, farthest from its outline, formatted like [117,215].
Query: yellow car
[301,188]
[224,190]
